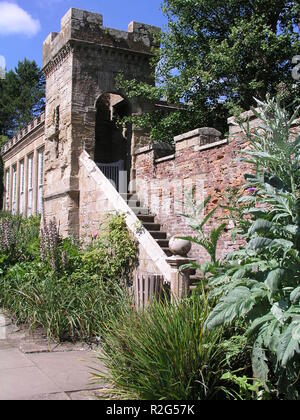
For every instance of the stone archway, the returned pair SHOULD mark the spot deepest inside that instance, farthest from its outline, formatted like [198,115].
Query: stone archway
[112,139]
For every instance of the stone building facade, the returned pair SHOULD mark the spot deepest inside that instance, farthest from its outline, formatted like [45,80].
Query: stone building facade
[62,164]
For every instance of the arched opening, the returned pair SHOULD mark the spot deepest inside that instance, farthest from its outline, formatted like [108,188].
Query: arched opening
[112,139]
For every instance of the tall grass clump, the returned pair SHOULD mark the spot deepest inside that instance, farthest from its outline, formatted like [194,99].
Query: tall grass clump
[164,353]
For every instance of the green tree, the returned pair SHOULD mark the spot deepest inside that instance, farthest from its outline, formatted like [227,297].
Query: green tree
[217,55]
[22,95]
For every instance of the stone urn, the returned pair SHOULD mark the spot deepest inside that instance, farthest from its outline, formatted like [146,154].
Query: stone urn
[179,246]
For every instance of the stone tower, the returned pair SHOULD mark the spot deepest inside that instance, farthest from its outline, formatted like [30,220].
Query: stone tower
[80,64]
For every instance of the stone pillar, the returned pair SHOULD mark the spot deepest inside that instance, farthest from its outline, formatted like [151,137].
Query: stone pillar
[180,279]
[34,181]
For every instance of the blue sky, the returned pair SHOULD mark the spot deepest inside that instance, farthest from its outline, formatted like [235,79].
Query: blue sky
[25,24]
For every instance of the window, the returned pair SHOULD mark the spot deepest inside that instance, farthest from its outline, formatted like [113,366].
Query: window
[30,186]
[7,190]
[40,181]
[22,189]
[14,190]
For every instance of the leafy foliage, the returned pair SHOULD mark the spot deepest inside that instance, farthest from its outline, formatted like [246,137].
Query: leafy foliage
[21,96]
[18,239]
[54,283]
[165,353]
[260,282]
[117,245]
[216,56]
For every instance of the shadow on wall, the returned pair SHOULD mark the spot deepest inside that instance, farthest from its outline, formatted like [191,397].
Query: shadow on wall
[112,138]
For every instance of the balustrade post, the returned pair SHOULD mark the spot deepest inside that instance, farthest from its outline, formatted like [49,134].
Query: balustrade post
[180,278]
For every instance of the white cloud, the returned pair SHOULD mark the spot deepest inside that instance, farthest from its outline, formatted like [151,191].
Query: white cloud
[15,20]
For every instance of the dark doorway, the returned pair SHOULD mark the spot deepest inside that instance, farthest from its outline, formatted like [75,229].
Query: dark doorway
[112,139]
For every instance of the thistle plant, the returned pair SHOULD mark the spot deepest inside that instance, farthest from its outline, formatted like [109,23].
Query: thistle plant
[260,283]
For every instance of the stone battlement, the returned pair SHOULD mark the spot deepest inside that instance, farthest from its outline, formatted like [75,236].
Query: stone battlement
[22,134]
[80,25]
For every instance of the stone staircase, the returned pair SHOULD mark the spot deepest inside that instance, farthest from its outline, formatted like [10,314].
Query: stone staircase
[148,221]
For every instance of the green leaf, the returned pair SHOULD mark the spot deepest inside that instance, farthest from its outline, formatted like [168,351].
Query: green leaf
[259,243]
[237,303]
[291,229]
[282,243]
[278,312]
[295,296]
[289,343]
[261,225]
[274,279]
[258,323]
[259,362]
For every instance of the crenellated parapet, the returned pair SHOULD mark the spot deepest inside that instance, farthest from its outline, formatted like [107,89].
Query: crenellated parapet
[23,134]
[82,27]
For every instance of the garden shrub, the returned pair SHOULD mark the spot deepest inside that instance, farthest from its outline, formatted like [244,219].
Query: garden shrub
[67,289]
[114,253]
[19,239]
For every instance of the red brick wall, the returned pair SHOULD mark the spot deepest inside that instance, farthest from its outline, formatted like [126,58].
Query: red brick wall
[218,169]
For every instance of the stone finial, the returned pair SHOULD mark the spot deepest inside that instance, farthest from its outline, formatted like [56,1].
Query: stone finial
[179,247]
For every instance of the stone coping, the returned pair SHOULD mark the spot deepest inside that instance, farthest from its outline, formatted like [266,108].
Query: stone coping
[165,159]
[204,131]
[155,147]
[21,135]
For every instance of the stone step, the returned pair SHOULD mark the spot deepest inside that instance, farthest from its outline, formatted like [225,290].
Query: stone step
[133,202]
[167,252]
[128,195]
[163,243]
[131,199]
[140,211]
[158,234]
[151,227]
[149,218]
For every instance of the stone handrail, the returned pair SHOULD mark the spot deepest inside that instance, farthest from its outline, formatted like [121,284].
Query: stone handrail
[143,237]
